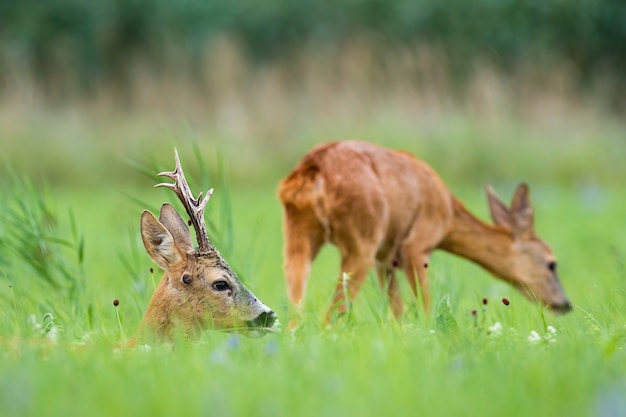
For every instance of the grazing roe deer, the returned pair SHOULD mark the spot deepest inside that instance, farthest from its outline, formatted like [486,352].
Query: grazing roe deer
[388,208]
[198,289]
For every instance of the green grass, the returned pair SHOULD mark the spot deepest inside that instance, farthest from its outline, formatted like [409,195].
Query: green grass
[73,365]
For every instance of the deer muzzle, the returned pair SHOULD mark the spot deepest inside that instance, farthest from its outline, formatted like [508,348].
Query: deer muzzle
[561,308]
[266,322]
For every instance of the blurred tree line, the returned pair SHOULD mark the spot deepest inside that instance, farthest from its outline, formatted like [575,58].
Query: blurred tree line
[94,41]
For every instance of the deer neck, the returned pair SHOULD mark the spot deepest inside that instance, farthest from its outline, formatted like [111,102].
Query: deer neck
[156,319]
[486,245]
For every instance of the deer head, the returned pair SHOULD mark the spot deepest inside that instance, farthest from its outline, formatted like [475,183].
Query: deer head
[533,271]
[198,290]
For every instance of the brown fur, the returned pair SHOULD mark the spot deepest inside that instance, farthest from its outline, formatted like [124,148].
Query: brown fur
[196,304]
[387,208]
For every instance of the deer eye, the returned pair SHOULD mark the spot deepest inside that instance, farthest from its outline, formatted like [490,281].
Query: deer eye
[186,279]
[552,266]
[221,286]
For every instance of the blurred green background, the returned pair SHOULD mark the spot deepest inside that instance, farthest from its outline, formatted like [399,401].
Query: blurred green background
[84,83]
[94,96]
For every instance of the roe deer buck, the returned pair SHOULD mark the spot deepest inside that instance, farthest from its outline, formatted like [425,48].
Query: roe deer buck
[388,208]
[199,289]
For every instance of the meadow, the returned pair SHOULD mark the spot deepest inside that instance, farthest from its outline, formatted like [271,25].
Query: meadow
[75,180]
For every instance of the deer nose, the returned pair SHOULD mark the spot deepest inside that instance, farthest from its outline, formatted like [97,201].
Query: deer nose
[265,319]
[562,308]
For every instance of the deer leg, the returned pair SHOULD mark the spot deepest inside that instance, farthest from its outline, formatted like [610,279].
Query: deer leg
[356,268]
[298,261]
[303,240]
[415,269]
[389,283]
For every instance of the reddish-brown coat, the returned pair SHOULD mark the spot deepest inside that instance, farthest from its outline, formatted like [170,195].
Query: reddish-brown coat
[387,208]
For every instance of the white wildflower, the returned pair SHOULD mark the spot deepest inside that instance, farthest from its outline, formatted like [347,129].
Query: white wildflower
[550,336]
[33,322]
[53,333]
[496,329]
[47,327]
[534,337]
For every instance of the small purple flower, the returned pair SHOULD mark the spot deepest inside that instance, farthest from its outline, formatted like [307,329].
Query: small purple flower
[233,342]
[116,302]
[271,348]
[484,301]
[506,301]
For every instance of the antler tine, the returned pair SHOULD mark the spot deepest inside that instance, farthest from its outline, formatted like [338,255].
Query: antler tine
[173,174]
[194,206]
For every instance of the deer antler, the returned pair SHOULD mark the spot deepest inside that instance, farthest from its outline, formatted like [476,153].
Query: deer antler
[194,206]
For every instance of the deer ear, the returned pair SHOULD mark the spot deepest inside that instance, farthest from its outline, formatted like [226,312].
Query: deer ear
[159,242]
[522,210]
[498,210]
[175,224]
